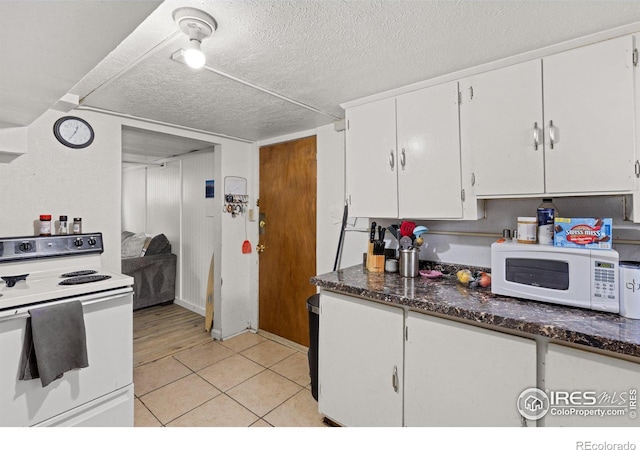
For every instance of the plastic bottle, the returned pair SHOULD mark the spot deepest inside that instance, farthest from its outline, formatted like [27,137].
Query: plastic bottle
[547,212]
[548,203]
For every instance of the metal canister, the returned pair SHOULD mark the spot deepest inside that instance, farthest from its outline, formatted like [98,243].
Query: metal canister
[409,262]
[545,225]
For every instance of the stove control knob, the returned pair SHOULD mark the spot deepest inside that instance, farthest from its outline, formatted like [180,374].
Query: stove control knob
[78,242]
[25,246]
[92,241]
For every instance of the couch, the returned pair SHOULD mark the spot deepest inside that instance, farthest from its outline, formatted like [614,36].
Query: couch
[153,267]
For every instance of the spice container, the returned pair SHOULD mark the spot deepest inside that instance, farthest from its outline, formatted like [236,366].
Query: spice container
[63,228]
[45,224]
[527,230]
[77,225]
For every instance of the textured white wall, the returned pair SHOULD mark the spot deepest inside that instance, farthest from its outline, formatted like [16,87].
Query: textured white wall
[503,213]
[238,308]
[54,179]
[134,199]
[200,231]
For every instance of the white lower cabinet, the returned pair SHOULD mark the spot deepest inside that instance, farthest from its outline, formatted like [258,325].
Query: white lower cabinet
[373,372]
[462,375]
[360,361]
[587,389]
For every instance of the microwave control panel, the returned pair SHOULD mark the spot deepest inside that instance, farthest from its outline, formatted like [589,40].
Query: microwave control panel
[604,288]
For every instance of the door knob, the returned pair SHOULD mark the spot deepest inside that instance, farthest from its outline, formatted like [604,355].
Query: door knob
[260,248]
[262,224]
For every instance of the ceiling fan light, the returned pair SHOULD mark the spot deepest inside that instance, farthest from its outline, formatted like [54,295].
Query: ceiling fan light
[193,55]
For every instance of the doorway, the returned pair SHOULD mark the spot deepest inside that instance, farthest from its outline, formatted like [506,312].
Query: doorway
[287,240]
[163,180]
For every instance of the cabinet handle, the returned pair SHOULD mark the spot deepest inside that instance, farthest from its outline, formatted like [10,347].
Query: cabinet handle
[403,159]
[473,179]
[536,136]
[552,135]
[392,162]
[394,379]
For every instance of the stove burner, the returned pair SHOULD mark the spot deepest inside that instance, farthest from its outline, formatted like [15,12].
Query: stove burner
[11,281]
[84,279]
[78,273]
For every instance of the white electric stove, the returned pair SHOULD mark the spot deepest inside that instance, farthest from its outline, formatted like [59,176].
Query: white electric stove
[40,271]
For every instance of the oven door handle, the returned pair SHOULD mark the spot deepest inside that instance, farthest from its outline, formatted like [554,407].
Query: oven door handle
[20,312]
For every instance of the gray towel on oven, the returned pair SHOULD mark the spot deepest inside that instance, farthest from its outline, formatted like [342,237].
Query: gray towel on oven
[55,342]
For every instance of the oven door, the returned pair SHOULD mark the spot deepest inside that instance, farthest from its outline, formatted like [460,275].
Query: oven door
[108,321]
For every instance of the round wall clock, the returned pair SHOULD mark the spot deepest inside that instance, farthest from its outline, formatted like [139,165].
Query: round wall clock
[73,132]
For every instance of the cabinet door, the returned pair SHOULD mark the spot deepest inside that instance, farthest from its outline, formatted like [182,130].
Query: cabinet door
[501,121]
[584,376]
[360,361]
[461,375]
[588,96]
[429,184]
[371,160]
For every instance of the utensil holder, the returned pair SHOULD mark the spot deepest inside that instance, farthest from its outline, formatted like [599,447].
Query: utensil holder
[409,262]
[375,263]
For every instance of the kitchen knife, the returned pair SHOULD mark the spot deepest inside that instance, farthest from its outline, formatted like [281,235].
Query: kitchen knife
[372,237]
[394,231]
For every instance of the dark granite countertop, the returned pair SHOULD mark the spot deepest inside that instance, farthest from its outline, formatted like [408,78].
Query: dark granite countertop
[446,296]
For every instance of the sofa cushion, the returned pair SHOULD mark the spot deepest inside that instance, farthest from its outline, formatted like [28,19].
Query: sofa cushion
[158,245]
[132,246]
[124,235]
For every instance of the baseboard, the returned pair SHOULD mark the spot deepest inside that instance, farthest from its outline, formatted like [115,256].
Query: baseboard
[190,307]
[283,341]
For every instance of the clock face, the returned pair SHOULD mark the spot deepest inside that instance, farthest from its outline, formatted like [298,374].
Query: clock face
[73,132]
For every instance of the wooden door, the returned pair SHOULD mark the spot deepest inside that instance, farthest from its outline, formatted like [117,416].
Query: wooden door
[288,234]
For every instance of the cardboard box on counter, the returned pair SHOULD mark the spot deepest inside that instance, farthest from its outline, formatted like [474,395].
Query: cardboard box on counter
[592,233]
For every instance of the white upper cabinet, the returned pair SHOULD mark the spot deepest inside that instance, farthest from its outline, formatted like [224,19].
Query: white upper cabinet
[558,125]
[403,157]
[588,113]
[371,160]
[501,123]
[429,181]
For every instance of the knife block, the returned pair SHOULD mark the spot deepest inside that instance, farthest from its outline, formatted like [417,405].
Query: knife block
[375,263]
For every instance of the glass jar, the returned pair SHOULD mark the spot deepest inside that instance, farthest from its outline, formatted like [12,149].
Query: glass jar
[527,230]
[45,224]
[63,228]
[77,225]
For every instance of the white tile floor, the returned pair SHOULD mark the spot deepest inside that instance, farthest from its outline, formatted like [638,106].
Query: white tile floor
[248,380]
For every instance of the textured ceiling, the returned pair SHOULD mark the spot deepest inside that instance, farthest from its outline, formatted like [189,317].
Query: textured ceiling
[145,146]
[48,46]
[321,54]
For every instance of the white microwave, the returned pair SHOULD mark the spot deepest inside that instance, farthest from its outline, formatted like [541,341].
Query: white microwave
[567,276]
